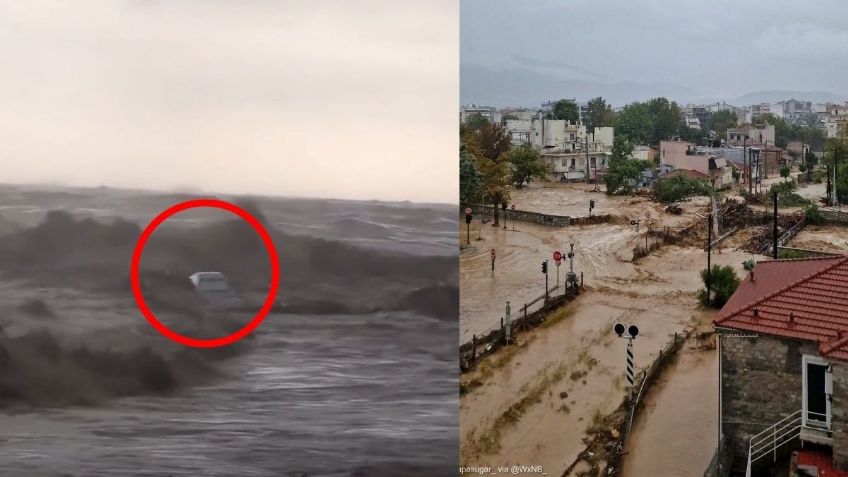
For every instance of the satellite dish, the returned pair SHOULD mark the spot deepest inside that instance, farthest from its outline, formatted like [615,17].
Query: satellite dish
[633,330]
[619,329]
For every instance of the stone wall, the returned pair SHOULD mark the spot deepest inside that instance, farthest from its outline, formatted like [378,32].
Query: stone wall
[839,414]
[762,383]
[524,216]
[835,216]
[539,218]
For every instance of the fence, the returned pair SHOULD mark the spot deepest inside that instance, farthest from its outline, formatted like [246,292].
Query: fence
[767,247]
[540,218]
[609,441]
[656,238]
[494,338]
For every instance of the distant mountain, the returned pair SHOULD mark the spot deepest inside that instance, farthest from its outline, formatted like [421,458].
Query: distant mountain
[774,96]
[524,87]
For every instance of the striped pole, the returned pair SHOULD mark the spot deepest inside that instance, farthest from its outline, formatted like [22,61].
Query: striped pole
[629,372]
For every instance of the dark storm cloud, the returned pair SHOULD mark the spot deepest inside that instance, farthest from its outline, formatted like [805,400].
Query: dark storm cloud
[718,49]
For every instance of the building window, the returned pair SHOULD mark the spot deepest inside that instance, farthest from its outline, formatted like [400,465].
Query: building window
[563,162]
[572,136]
[572,163]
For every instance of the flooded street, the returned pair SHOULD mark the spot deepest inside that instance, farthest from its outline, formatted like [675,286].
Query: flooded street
[602,252]
[570,371]
[676,432]
[826,238]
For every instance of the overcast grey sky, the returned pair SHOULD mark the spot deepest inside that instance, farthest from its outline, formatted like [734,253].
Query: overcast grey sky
[327,98]
[715,48]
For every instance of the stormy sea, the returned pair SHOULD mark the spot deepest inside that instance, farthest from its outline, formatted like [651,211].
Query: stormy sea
[352,374]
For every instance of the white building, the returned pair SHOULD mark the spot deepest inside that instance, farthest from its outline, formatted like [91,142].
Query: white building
[567,147]
[750,134]
[488,112]
[836,119]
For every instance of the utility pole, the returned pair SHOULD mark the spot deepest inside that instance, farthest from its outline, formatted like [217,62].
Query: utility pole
[587,156]
[709,254]
[746,160]
[774,231]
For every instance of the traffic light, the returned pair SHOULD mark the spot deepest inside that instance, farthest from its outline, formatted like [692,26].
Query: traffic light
[591,204]
[545,267]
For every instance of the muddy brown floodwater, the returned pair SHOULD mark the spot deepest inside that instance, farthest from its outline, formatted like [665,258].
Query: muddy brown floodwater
[530,404]
[677,431]
[827,238]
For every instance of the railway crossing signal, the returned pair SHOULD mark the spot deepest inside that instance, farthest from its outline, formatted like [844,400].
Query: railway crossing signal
[630,333]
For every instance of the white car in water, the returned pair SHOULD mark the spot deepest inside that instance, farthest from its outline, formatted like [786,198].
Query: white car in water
[214,289]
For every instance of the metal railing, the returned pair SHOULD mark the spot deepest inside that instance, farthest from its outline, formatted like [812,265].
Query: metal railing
[782,432]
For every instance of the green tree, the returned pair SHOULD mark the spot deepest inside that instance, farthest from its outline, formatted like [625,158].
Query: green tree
[493,141]
[666,119]
[622,149]
[784,172]
[476,121]
[811,159]
[470,179]
[721,121]
[722,283]
[679,187]
[564,109]
[635,123]
[598,114]
[836,155]
[526,163]
[623,170]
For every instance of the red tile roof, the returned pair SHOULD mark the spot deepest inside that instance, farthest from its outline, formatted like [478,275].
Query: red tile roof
[803,299]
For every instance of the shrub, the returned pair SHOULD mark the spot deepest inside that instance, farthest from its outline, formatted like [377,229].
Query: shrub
[813,215]
[680,187]
[723,282]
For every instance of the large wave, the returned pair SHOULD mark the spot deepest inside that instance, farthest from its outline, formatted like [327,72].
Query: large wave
[41,366]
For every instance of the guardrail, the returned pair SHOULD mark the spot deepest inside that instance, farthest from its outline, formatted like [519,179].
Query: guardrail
[780,433]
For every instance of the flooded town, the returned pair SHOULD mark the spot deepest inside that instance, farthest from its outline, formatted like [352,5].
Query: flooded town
[651,286]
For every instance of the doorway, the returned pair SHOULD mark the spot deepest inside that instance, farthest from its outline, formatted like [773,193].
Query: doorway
[817,392]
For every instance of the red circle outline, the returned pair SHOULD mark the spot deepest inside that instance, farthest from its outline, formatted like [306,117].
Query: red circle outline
[266,306]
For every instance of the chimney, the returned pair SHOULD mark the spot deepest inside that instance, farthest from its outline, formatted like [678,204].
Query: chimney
[756,313]
[791,318]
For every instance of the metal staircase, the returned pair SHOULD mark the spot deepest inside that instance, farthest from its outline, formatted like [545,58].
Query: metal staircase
[794,426]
